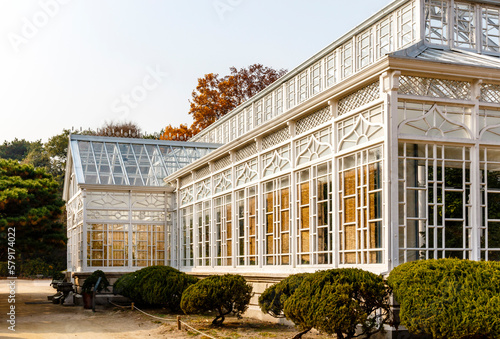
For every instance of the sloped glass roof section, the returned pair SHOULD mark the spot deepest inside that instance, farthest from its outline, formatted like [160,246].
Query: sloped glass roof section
[131,162]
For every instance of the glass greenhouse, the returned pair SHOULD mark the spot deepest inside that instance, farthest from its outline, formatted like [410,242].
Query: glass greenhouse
[118,206]
[382,148]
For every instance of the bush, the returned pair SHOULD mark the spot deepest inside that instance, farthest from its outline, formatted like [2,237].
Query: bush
[273,299]
[449,298]
[34,267]
[155,286]
[220,293]
[124,285]
[4,269]
[337,300]
[89,283]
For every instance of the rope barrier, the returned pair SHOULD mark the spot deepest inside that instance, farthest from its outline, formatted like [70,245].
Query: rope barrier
[194,329]
[152,316]
[164,319]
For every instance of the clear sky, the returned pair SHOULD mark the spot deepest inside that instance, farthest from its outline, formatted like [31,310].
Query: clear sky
[79,63]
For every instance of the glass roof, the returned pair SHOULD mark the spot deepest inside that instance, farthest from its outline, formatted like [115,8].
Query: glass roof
[134,162]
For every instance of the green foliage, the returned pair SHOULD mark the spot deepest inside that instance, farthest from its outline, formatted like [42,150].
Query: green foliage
[335,301]
[89,283]
[30,205]
[124,285]
[155,286]
[220,293]
[34,267]
[449,298]
[15,150]
[272,301]
[4,270]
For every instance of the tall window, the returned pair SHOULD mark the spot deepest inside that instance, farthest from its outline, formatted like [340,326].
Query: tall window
[491,29]
[436,22]
[490,200]
[268,109]
[364,49]
[107,245]
[330,70]
[223,232]
[187,236]
[465,25]
[277,221]
[314,218]
[203,217]
[315,79]
[347,62]
[384,38]
[258,113]
[434,202]
[360,197]
[278,99]
[246,228]
[148,245]
[290,93]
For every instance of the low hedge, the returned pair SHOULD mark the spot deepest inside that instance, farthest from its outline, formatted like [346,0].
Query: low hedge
[449,298]
[272,301]
[157,286]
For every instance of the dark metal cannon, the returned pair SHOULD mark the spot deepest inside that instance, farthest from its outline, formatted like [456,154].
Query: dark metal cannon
[63,288]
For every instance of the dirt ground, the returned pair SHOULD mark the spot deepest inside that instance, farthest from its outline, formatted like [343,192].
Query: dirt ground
[37,318]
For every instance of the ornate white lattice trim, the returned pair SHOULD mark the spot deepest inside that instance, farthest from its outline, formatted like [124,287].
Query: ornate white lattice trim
[222,163]
[313,120]
[434,124]
[494,130]
[187,195]
[222,181]
[186,180]
[107,199]
[362,132]
[276,164]
[203,172]
[315,149]
[432,87]
[276,138]
[359,98]
[246,175]
[246,152]
[203,189]
[490,93]
[148,200]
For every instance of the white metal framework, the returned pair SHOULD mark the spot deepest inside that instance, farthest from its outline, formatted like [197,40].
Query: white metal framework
[382,148]
[119,208]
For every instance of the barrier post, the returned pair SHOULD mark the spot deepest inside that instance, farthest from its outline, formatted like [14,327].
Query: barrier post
[178,322]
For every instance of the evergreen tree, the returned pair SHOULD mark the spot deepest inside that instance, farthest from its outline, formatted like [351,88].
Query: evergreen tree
[30,204]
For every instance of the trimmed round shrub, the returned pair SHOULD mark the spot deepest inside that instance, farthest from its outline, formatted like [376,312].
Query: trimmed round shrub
[449,298]
[336,301]
[124,285]
[156,286]
[223,294]
[273,299]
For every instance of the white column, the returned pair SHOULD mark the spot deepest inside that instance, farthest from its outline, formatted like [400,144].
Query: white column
[335,188]
[293,195]
[84,231]
[389,87]
[475,176]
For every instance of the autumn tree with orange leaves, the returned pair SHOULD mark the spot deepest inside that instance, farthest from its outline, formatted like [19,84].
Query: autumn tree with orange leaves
[214,97]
